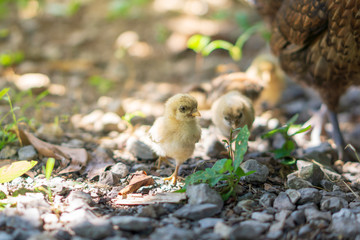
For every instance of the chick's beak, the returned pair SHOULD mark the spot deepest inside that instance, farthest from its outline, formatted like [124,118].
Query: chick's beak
[196,114]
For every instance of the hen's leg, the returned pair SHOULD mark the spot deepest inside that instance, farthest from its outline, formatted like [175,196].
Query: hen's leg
[345,154]
[317,122]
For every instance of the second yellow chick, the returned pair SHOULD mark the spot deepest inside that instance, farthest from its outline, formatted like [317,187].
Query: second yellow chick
[231,111]
[176,132]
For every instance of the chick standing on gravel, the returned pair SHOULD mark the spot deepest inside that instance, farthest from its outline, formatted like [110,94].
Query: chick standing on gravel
[175,134]
[231,111]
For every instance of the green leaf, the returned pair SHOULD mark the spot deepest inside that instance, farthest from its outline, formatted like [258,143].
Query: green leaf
[241,146]
[49,167]
[3,92]
[288,161]
[235,53]
[198,42]
[285,150]
[305,129]
[217,44]
[2,195]
[227,195]
[15,169]
[281,130]
[292,120]
[223,165]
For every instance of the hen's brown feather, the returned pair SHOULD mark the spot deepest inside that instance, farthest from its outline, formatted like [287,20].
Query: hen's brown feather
[318,43]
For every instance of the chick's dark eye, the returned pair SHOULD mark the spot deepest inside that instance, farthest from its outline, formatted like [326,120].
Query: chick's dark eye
[182,109]
[240,115]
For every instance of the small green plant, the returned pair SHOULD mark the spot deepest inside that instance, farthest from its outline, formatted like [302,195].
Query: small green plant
[285,152]
[103,85]
[203,45]
[50,163]
[226,173]
[128,116]
[12,58]
[9,133]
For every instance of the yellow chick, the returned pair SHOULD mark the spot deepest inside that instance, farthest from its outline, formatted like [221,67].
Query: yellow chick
[176,132]
[231,111]
[266,67]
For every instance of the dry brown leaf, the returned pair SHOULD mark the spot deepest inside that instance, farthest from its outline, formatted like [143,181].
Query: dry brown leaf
[140,199]
[76,157]
[97,164]
[138,179]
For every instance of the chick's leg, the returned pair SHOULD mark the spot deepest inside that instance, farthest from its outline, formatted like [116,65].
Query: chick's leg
[163,159]
[173,176]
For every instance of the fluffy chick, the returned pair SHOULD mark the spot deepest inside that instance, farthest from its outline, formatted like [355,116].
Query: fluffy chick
[176,132]
[266,67]
[231,111]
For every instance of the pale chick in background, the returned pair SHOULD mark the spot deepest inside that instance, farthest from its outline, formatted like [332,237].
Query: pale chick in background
[267,69]
[176,132]
[231,111]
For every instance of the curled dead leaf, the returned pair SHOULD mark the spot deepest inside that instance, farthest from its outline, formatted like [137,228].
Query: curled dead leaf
[74,159]
[138,179]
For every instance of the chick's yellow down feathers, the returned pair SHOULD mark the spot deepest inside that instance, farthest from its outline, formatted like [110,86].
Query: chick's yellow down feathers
[231,111]
[176,132]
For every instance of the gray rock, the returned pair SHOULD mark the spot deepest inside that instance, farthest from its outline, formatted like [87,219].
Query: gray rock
[309,195]
[282,215]
[209,222]
[79,196]
[314,214]
[293,195]
[202,193]
[196,212]
[261,171]
[152,211]
[139,149]
[304,230]
[298,217]
[262,216]
[77,216]
[334,204]
[94,229]
[27,153]
[7,152]
[22,234]
[310,172]
[307,205]
[223,230]
[131,223]
[295,182]
[283,202]
[18,222]
[42,236]
[32,215]
[120,170]
[109,178]
[249,229]
[5,236]
[345,224]
[327,185]
[267,200]
[274,234]
[172,233]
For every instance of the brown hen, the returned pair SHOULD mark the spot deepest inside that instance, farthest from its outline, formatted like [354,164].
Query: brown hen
[318,44]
